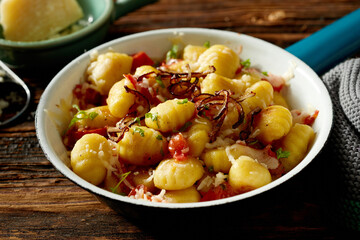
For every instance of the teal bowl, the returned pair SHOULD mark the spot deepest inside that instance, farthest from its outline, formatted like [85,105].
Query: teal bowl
[55,53]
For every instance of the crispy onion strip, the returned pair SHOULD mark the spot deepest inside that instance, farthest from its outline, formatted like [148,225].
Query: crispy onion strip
[117,133]
[221,99]
[244,134]
[140,100]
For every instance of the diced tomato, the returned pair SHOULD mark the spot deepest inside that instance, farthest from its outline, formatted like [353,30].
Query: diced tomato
[73,135]
[140,59]
[178,147]
[309,120]
[224,190]
[240,68]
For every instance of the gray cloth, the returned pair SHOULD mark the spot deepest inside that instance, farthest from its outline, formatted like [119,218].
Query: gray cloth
[343,83]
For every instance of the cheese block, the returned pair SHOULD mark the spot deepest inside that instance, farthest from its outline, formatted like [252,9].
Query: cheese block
[35,20]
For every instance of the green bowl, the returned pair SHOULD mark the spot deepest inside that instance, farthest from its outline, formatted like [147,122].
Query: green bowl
[55,53]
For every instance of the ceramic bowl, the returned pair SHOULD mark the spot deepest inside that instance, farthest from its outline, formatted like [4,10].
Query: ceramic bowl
[59,51]
[306,89]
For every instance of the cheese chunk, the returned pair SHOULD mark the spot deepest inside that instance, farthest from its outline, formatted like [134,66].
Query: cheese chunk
[35,20]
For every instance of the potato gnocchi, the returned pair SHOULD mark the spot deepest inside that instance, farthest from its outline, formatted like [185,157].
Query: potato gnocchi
[202,125]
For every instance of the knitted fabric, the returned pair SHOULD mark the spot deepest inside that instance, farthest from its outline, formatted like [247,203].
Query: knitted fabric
[343,83]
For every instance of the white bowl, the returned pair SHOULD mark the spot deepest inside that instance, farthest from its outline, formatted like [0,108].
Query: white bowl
[306,89]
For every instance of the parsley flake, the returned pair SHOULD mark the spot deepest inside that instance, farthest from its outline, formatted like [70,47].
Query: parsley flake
[183,101]
[80,115]
[172,53]
[207,44]
[159,81]
[246,63]
[140,131]
[282,154]
[122,178]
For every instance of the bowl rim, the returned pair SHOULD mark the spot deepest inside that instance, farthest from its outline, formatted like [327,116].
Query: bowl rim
[101,21]
[60,166]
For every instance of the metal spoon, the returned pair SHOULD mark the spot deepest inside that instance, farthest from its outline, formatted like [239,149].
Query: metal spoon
[14,96]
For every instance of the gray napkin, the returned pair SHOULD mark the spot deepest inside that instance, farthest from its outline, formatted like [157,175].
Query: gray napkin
[343,83]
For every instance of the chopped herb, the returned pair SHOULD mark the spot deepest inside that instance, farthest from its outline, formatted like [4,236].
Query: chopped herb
[207,44]
[265,73]
[162,152]
[186,125]
[81,114]
[246,63]
[211,169]
[140,131]
[172,53]
[206,107]
[282,154]
[159,137]
[183,101]
[154,117]
[137,119]
[159,81]
[252,142]
[122,178]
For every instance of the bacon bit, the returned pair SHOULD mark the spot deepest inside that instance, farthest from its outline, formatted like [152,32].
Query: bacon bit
[178,147]
[264,156]
[208,105]
[309,120]
[277,82]
[303,117]
[87,96]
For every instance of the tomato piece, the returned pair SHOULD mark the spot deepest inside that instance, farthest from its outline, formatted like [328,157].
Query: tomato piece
[309,120]
[178,147]
[73,135]
[224,190]
[140,59]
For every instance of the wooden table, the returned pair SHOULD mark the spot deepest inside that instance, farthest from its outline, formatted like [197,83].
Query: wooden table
[37,202]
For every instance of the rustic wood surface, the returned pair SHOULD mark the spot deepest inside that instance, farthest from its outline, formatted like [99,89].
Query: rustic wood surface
[37,202]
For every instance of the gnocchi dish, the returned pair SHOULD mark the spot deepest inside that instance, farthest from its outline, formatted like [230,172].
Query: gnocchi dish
[199,125]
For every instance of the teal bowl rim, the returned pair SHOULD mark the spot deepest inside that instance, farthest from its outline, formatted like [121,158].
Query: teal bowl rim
[64,39]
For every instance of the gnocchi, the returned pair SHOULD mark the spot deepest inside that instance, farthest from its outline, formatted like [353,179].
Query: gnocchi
[202,125]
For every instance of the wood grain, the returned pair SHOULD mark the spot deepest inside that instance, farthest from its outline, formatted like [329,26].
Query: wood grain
[38,202]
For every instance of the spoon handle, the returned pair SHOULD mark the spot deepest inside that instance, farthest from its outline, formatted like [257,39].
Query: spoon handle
[123,7]
[330,45]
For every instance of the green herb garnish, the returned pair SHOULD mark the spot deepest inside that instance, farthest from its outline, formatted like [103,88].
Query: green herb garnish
[207,44]
[173,53]
[183,101]
[159,81]
[282,154]
[81,114]
[140,131]
[122,178]
[186,125]
[137,119]
[246,63]
[265,73]
[159,137]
